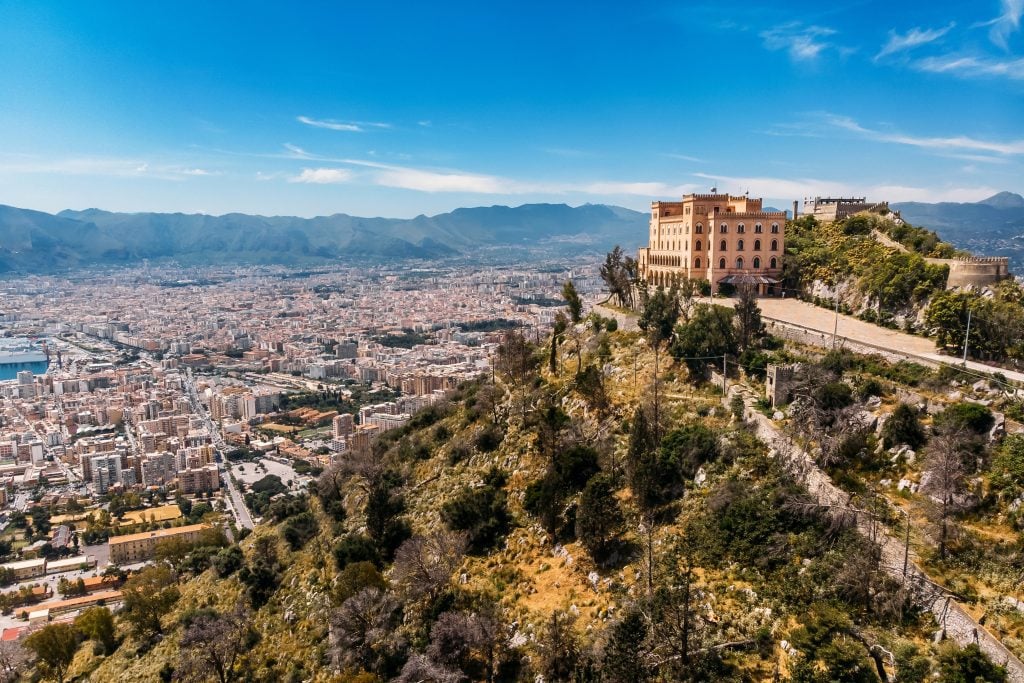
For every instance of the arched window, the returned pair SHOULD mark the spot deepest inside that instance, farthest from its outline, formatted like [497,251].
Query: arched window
[699,229]
[757,228]
[739,245]
[741,228]
[696,247]
[723,228]
[687,228]
[721,246]
[757,245]
[739,262]
[696,262]
[721,263]
[775,245]
[775,228]
[774,263]
[757,262]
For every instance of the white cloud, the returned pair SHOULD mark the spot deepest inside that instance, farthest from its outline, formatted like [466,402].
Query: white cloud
[803,43]
[973,67]
[434,181]
[323,176]
[346,126]
[1007,23]
[787,189]
[297,152]
[954,143]
[913,38]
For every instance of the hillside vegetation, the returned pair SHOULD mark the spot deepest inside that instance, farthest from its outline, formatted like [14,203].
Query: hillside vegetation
[583,519]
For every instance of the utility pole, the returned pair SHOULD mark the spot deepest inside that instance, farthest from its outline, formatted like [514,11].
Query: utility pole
[968,335]
[725,371]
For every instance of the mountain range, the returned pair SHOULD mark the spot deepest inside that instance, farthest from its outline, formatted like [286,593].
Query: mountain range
[991,227]
[33,241]
[38,242]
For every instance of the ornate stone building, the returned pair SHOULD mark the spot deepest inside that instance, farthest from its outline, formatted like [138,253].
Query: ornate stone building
[720,238]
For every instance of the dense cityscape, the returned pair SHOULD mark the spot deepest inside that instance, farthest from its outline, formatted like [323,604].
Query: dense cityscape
[170,395]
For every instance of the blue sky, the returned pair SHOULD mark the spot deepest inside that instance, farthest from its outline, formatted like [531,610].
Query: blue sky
[396,109]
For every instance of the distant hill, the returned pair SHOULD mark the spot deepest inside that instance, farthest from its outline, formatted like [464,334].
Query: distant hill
[33,241]
[991,227]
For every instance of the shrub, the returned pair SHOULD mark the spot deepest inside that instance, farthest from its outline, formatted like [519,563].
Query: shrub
[482,512]
[965,416]
[299,529]
[355,548]
[903,427]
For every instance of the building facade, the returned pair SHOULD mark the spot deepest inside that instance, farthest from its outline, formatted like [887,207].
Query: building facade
[139,547]
[721,238]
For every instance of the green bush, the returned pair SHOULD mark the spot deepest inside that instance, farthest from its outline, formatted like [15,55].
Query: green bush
[965,416]
[482,512]
[903,427]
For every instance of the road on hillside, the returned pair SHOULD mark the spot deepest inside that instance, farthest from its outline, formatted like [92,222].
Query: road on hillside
[823,321]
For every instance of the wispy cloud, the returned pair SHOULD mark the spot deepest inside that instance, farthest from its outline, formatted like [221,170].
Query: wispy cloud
[803,43]
[915,37]
[973,67]
[792,188]
[100,166]
[323,176]
[1006,24]
[681,157]
[953,143]
[346,126]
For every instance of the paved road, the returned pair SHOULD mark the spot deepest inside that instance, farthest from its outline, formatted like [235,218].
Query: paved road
[238,509]
[823,321]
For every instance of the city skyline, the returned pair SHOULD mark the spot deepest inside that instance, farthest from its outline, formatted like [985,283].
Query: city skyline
[415,109]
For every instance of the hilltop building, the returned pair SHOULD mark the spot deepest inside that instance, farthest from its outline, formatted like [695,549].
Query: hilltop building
[721,238]
[827,209]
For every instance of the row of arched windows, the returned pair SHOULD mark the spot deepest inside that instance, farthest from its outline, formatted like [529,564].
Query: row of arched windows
[723,246]
[773,263]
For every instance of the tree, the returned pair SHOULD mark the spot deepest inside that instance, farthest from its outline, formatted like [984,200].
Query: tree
[55,646]
[748,316]
[482,512]
[424,564]
[212,643]
[625,659]
[599,520]
[903,426]
[515,361]
[658,320]
[148,595]
[97,623]
[560,655]
[945,472]
[560,325]
[364,631]
[573,302]
[968,665]
[618,272]
[707,337]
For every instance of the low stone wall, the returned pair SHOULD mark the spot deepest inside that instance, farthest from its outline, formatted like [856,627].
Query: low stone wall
[805,335]
[953,620]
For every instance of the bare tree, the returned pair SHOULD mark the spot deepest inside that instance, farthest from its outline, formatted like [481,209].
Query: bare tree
[212,644]
[424,564]
[944,479]
[363,630]
[422,669]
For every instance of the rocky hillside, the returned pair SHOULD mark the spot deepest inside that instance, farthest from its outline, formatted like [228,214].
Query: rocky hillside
[581,519]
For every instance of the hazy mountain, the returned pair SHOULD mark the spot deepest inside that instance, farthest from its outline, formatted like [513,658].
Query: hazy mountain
[991,227]
[33,241]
